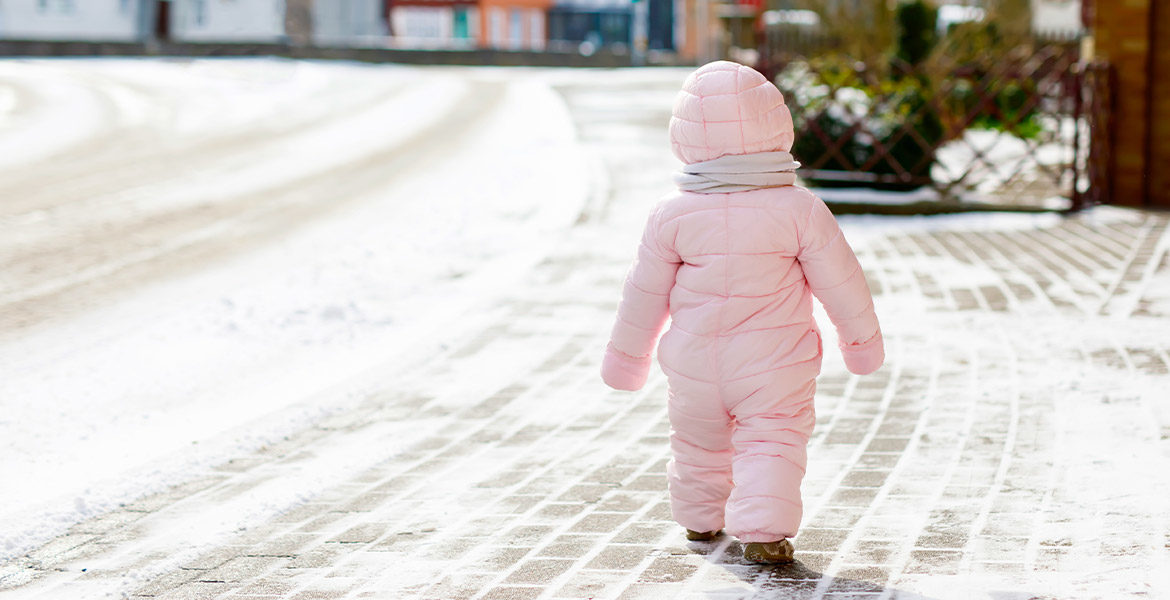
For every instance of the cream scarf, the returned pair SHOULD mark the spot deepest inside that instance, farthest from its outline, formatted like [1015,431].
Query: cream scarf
[738,173]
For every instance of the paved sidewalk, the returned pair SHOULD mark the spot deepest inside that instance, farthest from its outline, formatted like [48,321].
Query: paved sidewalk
[1015,445]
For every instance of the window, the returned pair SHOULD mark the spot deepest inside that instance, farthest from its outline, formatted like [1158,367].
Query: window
[462,27]
[515,29]
[199,10]
[536,33]
[496,20]
[63,7]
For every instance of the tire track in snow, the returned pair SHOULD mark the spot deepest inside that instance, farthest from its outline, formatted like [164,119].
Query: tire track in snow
[139,155]
[83,272]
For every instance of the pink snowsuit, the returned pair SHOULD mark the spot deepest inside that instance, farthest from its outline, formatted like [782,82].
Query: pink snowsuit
[736,273]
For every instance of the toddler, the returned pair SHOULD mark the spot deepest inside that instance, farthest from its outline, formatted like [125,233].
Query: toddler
[734,258]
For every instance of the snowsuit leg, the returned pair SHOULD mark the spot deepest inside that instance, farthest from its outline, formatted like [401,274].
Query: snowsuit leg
[699,473]
[770,443]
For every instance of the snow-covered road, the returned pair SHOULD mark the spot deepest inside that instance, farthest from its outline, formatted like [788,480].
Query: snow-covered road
[192,246]
[292,329]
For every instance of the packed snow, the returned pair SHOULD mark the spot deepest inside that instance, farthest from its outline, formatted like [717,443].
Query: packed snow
[444,188]
[129,397]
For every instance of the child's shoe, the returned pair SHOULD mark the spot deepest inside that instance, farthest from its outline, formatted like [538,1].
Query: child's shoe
[769,552]
[702,536]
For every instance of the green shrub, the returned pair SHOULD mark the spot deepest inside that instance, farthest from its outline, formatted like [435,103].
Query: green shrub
[860,117]
[917,35]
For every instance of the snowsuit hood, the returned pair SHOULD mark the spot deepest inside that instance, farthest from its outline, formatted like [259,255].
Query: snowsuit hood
[727,108]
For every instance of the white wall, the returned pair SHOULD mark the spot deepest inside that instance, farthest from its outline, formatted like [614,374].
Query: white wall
[70,19]
[227,20]
[432,27]
[347,22]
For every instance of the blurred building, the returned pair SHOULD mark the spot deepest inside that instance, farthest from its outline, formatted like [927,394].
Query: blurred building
[134,20]
[1134,37]
[108,20]
[514,24]
[218,21]
[589,25]
[435,23]
[496,24]
[347,22]
[648,30]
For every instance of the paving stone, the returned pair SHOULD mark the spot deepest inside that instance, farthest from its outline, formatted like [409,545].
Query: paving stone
[210,560]
[366,502]
[651,591]
[560,511]
[858,580]
[270,585]
[661,512]
[646,483]
[242,568]
[626,502]
[501,559]
[323,555]
[934,562]
[528,535]
[587,585]
[513,593]
[823,540]
[322,523]
[107,522]
[865,478]
[645,533]
[623,557]
[538,570]
[872,552]
[452,587]
[669,569]
[599,522]
[303,512]
[589,493]
[197,590]
[361,534]
[288,544]
[167,582]
[570,546]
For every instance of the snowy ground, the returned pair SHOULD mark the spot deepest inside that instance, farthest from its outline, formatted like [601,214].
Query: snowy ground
[352,314]
[195,248]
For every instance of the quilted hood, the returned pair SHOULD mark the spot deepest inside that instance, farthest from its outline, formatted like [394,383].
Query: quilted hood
[727,108]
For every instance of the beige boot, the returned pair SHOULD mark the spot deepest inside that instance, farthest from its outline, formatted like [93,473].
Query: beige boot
[769,552]
[702,536]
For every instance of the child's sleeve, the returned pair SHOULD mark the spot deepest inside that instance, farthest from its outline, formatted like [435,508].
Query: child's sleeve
[642,312]
[836,279]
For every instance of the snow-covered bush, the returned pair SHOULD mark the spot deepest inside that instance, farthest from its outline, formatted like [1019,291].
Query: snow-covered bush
[886,129]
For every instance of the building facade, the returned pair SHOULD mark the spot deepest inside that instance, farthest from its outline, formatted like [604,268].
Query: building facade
[637,27]
[587,25]
[218,21]
[349,22]
[1134,37]
[514,24]
[453,24]
[97,20]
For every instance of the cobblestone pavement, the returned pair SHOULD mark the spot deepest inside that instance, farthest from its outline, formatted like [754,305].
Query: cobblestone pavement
[1014,446]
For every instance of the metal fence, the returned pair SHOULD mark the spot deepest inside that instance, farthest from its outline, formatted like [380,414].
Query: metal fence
[1020,129]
